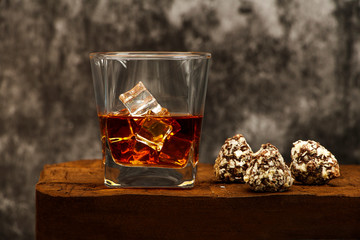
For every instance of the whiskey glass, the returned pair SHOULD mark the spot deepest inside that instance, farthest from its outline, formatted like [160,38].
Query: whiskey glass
[150,107]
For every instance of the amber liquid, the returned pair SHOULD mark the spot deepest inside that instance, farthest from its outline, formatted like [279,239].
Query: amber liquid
[121,133]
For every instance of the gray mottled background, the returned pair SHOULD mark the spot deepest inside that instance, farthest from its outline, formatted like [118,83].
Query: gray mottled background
[281,71]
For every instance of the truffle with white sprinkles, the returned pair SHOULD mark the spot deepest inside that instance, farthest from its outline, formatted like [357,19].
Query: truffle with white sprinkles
[268,171]
[233,160]
[312,163]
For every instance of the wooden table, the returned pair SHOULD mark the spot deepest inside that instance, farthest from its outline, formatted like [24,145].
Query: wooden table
[73,203]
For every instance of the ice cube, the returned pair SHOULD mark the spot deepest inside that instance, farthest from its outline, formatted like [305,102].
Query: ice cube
[119,129]
[143,154]
[176,151]
[153,132]
[174,124]
[122,112]
[155,127]
[122,150]
[140,102]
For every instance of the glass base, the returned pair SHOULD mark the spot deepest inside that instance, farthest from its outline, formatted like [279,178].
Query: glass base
[119,176]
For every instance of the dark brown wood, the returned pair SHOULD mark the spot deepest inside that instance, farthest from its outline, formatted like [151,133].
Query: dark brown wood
[73,203]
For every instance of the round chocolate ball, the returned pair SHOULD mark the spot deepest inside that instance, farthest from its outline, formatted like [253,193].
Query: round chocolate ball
[312,163]
[233,160]
[268,171]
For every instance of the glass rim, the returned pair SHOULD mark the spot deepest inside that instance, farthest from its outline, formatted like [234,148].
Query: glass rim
[144,55]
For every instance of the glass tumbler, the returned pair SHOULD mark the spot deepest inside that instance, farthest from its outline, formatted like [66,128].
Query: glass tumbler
[150,107]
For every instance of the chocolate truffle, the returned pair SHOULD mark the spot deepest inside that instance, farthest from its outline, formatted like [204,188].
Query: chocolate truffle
[233,160]
[268,171]
[312,163]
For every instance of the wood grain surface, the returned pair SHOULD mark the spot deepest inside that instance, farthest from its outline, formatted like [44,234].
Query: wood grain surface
[73,203]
